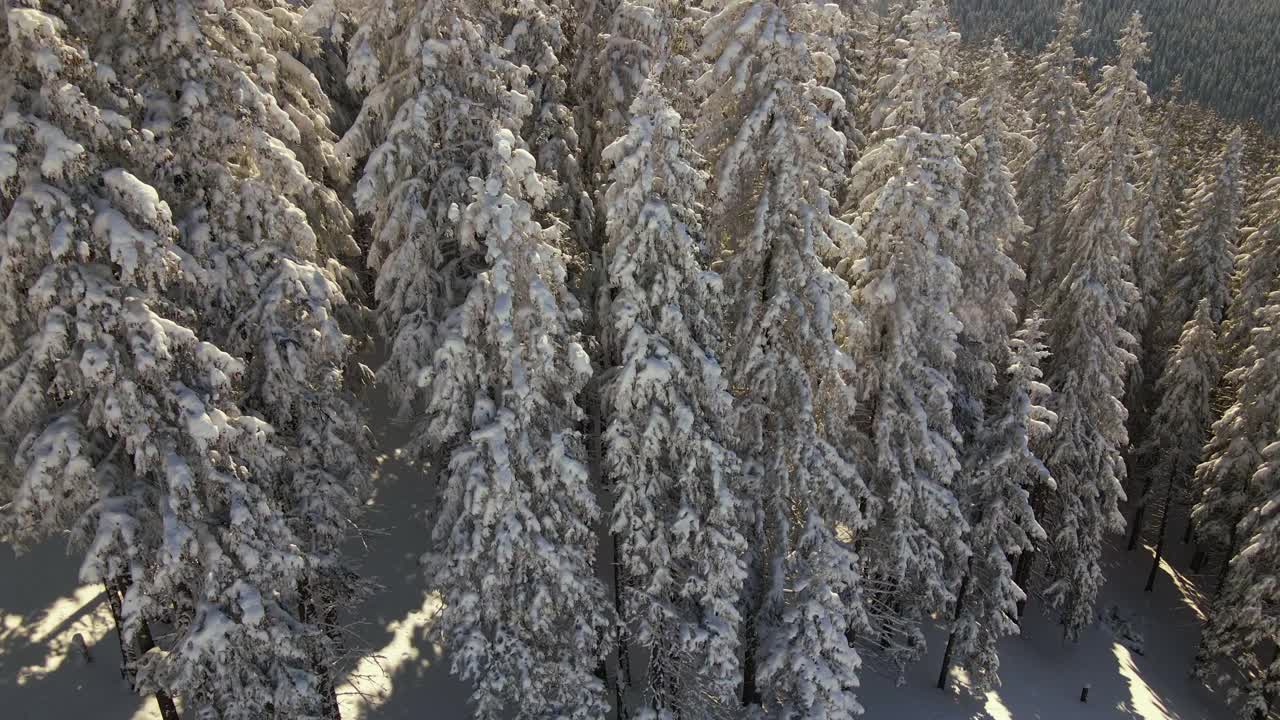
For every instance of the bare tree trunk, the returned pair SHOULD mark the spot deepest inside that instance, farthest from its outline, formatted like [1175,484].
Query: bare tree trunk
[951,636]
[127,658]
[1226,565]
[1164,528]
[308,612]
[116,589]
[1026,561]
[750,639]
[1139,513]
[622,678]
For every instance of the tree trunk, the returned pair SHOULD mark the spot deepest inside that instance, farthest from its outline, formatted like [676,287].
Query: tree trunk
[116,589]
[126,651]
[1164,529]
[308,611]
[622,678]
[168,710]
[1139,513]
[961,594]
[1198,559]
[1022,573]
[598,292]
[750,637]
[951,637]
[1226,565]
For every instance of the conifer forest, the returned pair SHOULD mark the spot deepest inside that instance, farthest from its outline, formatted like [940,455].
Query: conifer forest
[640,359]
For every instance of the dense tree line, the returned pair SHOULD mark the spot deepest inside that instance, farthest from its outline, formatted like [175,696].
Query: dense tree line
[1224,51]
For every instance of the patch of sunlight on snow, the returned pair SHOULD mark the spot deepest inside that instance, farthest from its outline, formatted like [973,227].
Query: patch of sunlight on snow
[1191,594]
[992,705]
[1145,704]
[995,707]
[84,611]
[368,686]
[148,710]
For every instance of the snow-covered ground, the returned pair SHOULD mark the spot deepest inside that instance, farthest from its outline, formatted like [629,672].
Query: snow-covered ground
[1042,675]
[400,673]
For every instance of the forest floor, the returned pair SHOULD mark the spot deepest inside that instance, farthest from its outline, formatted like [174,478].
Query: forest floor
[401,673]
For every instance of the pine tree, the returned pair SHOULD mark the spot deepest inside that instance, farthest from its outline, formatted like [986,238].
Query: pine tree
[907,189]
[1257,269]
[1202,263]
[1235,447]
[627,40]
[776,159]
[122,423]
[1181,421]
[1004,470]
[883,28]
[434,80]
[676,510]
[538,42]
[1244,620]
[1091,345]
[274,240]
[1150,265]
[1056,129]
[997,464]
[986,303]
[524,616]
[619,46]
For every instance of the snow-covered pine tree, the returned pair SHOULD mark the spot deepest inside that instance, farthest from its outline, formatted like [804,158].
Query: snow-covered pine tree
[986,303]
[272,238]
[1091,347]
[1257,269]
[995,498]
[917,87]
[624,40]
[907,194]
[880,60]
[1004,472]
[1181,422]
[434,81]
[123,423]
[669,408]
[524,616]
[1206,248]
[766,118]
[619,44]
[1234,450]
[1244,619]
[1150,265]
[1056,126]
[534,37]
[324,27]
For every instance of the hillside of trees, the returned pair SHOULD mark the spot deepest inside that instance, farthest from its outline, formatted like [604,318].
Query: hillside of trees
[739,344]
[1226,52]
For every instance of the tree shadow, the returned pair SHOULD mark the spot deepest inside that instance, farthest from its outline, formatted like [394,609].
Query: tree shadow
[43,672]
[399,670]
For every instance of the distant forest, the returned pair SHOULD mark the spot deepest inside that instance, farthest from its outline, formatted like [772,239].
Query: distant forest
[1227,51]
